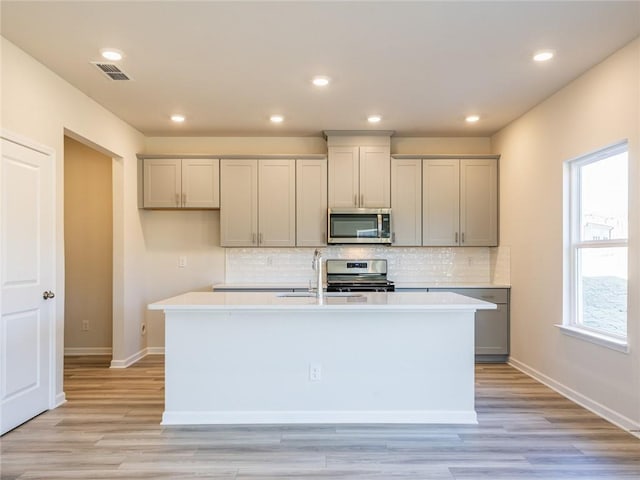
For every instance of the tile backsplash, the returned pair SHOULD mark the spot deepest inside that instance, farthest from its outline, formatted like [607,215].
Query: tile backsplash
[405,264]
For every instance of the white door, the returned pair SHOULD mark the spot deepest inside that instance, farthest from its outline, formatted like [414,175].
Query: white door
[26,275]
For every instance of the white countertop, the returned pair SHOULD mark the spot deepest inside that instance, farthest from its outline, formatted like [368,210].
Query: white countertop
[252,301]
[302,286]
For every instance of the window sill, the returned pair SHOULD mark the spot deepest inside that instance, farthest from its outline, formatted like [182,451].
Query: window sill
[598,339]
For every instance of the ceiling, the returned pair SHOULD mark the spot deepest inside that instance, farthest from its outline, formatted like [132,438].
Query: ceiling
[228,66]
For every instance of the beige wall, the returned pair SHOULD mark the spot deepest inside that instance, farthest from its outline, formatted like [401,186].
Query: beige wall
[596,110]
[88,248]
[274,145]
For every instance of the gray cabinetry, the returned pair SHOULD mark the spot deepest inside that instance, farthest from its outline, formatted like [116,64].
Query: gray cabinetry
[492,326]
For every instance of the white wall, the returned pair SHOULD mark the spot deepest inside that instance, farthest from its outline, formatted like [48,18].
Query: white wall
[598,109]
[39,105]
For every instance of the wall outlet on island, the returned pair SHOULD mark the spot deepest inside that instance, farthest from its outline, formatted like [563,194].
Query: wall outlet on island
[182,261]
[85,325]
[315,372]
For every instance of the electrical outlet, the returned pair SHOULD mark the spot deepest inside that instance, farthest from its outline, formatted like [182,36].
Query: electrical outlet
[85,325]
[315,372]
[182,261]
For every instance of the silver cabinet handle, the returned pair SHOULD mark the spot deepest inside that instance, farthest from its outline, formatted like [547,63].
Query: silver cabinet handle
[456,240]
[177,199]
[184,199]
[462,238]
[48,294]
[393,237]
[260,238]
[355,200]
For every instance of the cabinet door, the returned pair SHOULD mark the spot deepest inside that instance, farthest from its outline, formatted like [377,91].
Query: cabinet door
[479,203]
[406,202]
[440,202]
[343,177]
[238,203]
[492,331]
[375,181]
[277,203]
[311,203]
[162,183]
[201,183]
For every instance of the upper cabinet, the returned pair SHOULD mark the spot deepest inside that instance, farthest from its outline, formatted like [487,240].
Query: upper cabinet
[445,201]
[277,203]
[238,203]
[406,202]
[478,203]
[359,170]
[311,203]
[441,202]
[257,203]
[181,183]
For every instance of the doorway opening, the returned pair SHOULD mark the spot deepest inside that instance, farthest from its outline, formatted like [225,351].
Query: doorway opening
[88,248]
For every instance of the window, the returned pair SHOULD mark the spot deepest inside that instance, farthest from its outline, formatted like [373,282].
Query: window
[598,233]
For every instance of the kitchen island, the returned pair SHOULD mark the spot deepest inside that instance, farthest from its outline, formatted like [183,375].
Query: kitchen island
[246,358]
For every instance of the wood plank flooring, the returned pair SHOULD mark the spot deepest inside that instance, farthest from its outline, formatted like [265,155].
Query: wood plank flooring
[110,429]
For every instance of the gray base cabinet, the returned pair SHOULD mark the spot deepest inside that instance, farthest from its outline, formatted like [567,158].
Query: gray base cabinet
[492,326]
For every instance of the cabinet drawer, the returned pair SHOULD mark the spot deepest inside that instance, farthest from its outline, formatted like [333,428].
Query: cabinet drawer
[493,295]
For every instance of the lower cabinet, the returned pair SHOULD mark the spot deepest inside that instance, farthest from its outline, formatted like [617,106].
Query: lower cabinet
[492,326]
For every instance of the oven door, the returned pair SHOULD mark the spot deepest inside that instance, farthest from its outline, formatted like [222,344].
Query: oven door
[359,225]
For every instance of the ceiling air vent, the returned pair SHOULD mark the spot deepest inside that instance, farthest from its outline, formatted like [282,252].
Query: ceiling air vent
[111,71]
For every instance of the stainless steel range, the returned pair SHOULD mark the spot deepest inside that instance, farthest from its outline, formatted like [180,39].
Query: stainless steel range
[368,275]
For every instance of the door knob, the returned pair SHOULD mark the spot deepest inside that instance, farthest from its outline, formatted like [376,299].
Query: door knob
[48,294]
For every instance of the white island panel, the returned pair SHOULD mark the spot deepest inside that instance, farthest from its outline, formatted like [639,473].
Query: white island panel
[391,358]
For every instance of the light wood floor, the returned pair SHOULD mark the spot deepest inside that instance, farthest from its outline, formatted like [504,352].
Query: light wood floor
[109,429]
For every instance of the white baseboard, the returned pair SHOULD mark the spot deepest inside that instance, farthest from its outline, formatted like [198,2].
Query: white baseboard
[582,400]
[127,362]
[155,350]
[81,351]
[59,400]
[325,416]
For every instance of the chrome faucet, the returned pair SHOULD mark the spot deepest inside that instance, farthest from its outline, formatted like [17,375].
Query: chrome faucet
[317,265]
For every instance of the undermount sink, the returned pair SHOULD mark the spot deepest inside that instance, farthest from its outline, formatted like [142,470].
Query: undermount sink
[312,294]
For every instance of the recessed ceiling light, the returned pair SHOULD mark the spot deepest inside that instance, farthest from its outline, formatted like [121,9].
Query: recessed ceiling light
[374,118]
[111,54]
[543,55]
[321,81]
[177,118]
[276,118]
[472,118]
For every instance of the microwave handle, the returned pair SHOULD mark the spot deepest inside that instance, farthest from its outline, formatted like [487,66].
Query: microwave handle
[379,225]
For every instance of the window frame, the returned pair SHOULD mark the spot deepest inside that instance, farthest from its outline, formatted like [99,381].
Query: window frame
[571,324]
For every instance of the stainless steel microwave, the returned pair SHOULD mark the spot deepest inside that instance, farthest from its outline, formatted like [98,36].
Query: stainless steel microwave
[359,225]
